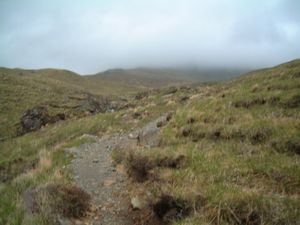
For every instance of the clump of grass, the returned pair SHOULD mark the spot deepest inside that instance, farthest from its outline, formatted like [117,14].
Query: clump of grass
[139,166]
[287,146]
[56,200]
[256,102]
[171,162]
[292,102]
[168,208]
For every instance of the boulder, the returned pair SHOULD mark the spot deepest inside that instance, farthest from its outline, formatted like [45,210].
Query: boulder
[137,203]
[149,135]
[33,119]
[170,90]
[93,105]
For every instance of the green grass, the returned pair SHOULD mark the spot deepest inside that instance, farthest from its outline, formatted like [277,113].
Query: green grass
[58,90]
[242,159]
[241,144]
[18,155]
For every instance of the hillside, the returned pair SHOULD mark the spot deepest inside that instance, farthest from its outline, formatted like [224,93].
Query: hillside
[60,91]
[142,78]
[225,153]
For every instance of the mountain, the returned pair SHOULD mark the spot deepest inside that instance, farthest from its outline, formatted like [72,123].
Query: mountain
[162,76]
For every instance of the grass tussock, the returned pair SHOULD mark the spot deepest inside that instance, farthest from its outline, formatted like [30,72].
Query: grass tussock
[168,209]
[57,200]
[140,167]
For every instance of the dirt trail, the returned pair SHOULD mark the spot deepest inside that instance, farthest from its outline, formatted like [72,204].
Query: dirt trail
[94,172]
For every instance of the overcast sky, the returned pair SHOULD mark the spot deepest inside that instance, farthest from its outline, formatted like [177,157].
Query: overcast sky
[88,36]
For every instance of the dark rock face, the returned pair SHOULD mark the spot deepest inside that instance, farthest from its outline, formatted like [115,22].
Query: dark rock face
[119,104]
[33,119]
[170,90]
[94,105]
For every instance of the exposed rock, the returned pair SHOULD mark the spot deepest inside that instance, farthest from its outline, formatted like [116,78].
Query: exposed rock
[162,121]
[89,136]
[94,105]
[33,119]
[148,136]
[170,90]
[120,104]
[133,135]
[137,203]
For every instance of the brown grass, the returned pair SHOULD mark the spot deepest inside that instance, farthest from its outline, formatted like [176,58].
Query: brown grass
[66,201]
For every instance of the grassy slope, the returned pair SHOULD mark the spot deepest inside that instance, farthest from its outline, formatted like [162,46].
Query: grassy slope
[242,154]
[38,158]
[23,89]
[239,160]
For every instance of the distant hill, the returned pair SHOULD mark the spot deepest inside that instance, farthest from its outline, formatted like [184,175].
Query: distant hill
[139,77]
[164,76]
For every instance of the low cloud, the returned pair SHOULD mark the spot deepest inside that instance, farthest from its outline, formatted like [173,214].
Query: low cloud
[90,36]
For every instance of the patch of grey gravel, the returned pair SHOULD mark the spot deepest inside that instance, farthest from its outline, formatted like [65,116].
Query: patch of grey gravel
[94,172]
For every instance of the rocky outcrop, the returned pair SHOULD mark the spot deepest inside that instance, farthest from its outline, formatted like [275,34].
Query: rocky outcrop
[93,105]
[148,135]
[37,117]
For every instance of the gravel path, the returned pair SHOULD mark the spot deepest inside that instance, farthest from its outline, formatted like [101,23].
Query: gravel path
[94,172]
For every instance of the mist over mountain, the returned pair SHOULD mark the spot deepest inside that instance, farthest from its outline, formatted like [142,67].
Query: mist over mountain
[92,36]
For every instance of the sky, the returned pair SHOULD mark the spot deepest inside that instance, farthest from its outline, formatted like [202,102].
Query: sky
[88,36]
